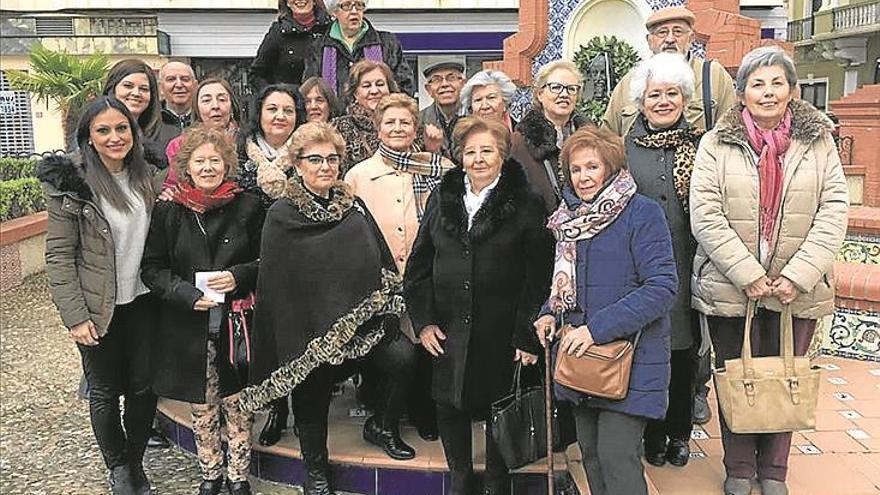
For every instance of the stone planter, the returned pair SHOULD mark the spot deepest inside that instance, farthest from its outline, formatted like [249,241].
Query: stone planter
[22,249]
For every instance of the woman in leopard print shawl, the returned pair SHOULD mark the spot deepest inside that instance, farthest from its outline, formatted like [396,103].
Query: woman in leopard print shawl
[660,150]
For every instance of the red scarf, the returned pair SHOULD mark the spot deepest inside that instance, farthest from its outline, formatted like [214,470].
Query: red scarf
[199,201]
[771,146]
[305,20]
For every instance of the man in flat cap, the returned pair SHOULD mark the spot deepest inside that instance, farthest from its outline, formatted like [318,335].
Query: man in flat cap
[671,30]
[444,81]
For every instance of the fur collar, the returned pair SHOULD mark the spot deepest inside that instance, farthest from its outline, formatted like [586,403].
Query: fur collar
[64,174]
[511,194]
[341,200]
[807,124]
[540,135]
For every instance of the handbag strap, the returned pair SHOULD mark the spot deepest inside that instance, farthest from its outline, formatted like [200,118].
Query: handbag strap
[516,387]
[786,337]
[746,354]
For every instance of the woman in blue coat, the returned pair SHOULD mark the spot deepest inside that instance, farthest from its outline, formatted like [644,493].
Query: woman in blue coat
[614,278]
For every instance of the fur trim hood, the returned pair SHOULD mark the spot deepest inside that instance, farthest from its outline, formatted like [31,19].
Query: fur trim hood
[540,135]
[511,194]
[807,124]
[64,174]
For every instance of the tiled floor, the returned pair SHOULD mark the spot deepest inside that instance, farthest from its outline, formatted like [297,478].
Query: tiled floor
[840,457]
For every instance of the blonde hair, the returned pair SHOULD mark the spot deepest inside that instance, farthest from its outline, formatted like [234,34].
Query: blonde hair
[315,133]
[396,100]
[195,137]
[471,125]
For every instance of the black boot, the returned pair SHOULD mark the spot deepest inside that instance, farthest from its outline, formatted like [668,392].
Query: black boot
[678,452]
[121,482]
[389,439]
[702,413]
[275,424]
[313,446]
[238,487]
[139,479]
[211,487]
[460,483]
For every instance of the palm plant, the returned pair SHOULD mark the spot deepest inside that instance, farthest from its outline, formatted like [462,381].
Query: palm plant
[70,81]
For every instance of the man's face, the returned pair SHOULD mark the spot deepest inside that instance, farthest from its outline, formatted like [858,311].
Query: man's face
[350,14]
[673,36]
[177,84]
[444,86]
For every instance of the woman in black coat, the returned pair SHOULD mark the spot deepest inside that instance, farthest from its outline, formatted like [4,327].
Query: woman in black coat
[210,225]
[476,275]
[281,56]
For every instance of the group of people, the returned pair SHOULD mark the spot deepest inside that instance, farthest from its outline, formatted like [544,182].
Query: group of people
[431,252]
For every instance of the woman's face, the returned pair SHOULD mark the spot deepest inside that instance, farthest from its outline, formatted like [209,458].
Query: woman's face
[664,103]
[318,165]
[481,158]
[206,168]
[317,107]
[560,94]
[588,173]
[766,95]
[111,136]
[397,129]
[277,117]
[301,7]
[371,88]
[488,102]
[134,92]
[215,106]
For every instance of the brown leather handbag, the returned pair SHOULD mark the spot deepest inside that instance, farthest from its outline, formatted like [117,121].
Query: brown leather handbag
[603,371]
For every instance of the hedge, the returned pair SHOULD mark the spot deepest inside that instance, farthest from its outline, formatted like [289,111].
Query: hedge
[20,197]
[16,168]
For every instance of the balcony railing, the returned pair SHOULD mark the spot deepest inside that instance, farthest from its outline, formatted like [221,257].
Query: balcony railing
[856,16]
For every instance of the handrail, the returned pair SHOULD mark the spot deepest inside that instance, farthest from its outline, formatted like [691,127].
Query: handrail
[856,16]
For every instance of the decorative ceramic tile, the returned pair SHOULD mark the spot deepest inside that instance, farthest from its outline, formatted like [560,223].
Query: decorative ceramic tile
[858,434]
[843,396]
[809,449]
[699,434]
[850,414]
[854,334]
[860,249]
[836,380]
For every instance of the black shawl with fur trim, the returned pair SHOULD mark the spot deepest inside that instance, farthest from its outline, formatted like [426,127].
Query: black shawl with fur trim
[327,281]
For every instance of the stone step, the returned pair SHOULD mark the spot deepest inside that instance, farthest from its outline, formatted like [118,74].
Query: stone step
[857,286]
[864,220]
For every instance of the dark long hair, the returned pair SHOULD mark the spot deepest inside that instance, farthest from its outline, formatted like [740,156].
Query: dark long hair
[96,174]
[148,120]
[253,124]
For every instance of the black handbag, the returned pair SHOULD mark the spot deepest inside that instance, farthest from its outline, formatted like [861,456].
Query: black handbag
[239,320]
[518,427]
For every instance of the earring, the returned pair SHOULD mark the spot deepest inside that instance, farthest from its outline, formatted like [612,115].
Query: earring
[91,143]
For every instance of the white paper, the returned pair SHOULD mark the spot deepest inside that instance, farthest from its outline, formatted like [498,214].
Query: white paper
[202,284]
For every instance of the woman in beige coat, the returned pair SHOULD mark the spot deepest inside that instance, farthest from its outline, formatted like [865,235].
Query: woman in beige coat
[768,208]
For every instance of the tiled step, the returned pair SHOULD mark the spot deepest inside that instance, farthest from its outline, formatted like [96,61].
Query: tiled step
[864,220]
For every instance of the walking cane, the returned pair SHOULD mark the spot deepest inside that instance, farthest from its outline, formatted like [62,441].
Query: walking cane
[548,409]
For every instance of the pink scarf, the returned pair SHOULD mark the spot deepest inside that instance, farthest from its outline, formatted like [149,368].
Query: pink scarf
[771,146]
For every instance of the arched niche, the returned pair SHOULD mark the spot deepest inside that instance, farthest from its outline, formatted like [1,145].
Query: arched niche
[622,18]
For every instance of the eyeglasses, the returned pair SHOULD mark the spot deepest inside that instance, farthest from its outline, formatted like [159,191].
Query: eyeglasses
[556,88]
[676,32]
[450,78]
[352,6]
[317,160]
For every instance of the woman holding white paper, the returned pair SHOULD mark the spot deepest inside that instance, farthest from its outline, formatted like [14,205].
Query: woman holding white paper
[209,231]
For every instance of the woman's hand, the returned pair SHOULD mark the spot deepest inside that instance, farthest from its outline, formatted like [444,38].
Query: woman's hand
[85,333]
[577,341]
[204,304]
[759,288]
[222,282]
[784,290]
[545,327]
[166,194]
[525,358]
[433,138]
[430,338]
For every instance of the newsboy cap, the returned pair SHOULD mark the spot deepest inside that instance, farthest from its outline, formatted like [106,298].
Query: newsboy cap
[671,14]
[446,64]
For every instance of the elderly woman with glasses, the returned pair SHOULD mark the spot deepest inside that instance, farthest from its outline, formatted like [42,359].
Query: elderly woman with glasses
[552,118]
[768,205]
[487,94]
[352,38]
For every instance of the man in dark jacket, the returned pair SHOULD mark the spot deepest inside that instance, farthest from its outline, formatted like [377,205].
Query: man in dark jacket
[444,81]
[352,38]
[177,82]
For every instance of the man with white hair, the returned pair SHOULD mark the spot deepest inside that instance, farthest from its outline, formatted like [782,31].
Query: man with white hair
[177,81]
[352,38]
[671,30]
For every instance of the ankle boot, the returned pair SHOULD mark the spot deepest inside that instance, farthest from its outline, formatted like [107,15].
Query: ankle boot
[121,482]
[275,424]
[313,446]
[389,439]
[139,479]
[238,487]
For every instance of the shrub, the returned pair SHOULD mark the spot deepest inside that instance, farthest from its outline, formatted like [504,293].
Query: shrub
[20,197]
[16,168]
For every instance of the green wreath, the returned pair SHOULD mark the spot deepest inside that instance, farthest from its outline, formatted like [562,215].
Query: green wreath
[623,58]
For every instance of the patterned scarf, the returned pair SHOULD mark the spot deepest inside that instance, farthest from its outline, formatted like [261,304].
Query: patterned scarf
[583,222]
[199,201]
[771,146]
[427,171]
[684,142]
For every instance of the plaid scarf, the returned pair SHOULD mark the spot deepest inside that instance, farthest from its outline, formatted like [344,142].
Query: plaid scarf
[585,221]
[684,142]
[427,171]
[198,201]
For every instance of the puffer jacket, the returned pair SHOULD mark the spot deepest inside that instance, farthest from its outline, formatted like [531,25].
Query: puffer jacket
[80,254]
[725,220]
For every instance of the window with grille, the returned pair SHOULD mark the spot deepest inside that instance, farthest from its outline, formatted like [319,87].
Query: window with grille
[54,26]
[815,92]
[16,126]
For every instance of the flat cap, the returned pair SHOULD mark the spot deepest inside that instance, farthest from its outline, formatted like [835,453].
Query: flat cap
[671,14]
[447,64]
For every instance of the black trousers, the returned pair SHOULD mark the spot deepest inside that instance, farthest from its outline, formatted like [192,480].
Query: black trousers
[456,435]
[609,443]
[422,409]
[679,415]
[392,360]
[120,366]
